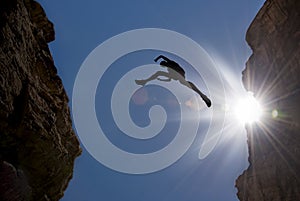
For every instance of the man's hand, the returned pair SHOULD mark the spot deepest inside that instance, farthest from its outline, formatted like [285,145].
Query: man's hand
[162,57]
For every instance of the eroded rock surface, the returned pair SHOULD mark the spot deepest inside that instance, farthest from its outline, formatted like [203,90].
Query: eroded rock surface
[273,74]
[37,144]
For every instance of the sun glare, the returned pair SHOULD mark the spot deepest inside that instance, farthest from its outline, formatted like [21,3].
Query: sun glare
[248,110]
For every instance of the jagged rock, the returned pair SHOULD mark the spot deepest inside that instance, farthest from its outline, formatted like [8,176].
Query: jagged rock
[37,144]
[13,185]
[273,74]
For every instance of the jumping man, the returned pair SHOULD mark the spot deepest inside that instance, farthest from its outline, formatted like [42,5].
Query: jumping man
[175,72]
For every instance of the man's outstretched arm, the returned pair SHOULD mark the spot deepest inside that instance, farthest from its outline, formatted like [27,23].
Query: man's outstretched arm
[162,57]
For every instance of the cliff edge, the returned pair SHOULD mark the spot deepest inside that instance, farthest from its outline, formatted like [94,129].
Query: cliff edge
[37,144]
[273,74]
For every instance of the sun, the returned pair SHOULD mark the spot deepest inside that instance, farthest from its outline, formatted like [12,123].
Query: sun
[248,109]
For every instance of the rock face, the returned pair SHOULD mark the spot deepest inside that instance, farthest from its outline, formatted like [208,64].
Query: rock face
[37,144]
[273,74]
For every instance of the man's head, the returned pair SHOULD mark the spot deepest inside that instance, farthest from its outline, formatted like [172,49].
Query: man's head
[163,63]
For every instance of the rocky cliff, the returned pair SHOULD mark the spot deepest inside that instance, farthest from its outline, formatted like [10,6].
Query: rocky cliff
[273,74]
[37,144]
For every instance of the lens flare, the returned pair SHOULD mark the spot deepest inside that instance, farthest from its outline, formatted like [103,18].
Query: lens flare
[275,113]
[248,109]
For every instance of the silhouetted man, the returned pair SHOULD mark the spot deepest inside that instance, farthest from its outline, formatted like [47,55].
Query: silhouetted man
[175,72]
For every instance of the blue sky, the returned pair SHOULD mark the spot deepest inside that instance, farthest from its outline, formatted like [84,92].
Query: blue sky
[219,27]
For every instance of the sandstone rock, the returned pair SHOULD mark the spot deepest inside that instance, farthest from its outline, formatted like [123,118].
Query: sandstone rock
[273,74]
[37,144]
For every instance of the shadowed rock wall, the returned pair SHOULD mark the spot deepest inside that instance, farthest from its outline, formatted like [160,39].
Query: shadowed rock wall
[273,74]
[37,144]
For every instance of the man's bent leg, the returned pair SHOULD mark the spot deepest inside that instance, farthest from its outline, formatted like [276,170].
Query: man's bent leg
[152,77]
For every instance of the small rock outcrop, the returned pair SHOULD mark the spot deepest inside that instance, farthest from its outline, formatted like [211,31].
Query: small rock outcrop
[273,74]
[37,143]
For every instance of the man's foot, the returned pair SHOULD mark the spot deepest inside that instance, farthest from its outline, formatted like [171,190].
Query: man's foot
[206,100]
[140,82]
